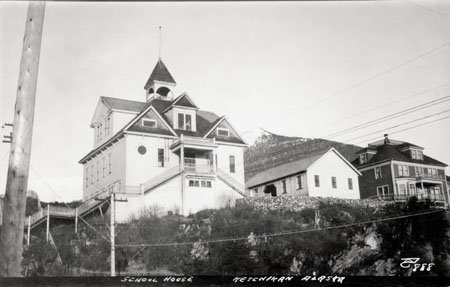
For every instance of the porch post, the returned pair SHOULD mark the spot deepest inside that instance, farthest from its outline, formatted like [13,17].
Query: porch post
[213,161]
[182,156]
[76,220]
[29,230]
[48,222]
[141,187]
[182,179]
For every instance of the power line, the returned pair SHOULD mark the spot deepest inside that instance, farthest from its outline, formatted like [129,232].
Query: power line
[278,233]
[399,125]
[405,129]
[390,117]
[377,108]
[429,9]
[366,80]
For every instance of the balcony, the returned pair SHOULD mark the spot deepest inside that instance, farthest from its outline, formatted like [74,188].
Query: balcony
[429,176]
[192,165]
[193,142]
[406,197]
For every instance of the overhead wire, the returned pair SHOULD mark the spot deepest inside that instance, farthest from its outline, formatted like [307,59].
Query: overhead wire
[277,234]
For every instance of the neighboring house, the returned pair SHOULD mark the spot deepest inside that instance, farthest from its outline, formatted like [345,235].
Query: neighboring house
[397,170]
[165,151]
[326,174]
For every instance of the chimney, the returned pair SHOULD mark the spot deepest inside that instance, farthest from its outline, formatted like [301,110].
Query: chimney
[386,139]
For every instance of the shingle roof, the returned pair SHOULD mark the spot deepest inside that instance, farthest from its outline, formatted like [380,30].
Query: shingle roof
[392,152]
[205,120]
[160,73]
[284,170]
[125,105]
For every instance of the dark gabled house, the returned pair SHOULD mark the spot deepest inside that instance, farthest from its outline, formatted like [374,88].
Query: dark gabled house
[397,170]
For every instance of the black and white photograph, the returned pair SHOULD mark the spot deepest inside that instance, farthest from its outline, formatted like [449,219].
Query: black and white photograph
[225,143]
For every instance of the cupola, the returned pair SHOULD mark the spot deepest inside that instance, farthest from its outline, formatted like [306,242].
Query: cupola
[160,84]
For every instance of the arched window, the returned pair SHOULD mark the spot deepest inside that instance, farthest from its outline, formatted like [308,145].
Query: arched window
[163,91]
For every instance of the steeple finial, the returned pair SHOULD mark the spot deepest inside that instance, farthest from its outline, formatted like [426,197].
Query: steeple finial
[160,36]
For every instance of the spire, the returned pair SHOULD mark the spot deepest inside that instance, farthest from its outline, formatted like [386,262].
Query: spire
[160,39]
[160,73]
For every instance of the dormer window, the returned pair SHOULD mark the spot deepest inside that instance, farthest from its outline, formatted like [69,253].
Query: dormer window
[223,132]
[184,122]
[149,123]
[363,158]
[416,154]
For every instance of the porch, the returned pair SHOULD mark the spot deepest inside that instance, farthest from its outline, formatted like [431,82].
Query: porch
[197,155]
[422,189]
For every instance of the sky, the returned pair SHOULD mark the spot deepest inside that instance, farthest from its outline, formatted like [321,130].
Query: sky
[307,69]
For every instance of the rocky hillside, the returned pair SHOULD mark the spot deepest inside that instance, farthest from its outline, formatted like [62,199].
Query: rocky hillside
[270,235]
[270,150]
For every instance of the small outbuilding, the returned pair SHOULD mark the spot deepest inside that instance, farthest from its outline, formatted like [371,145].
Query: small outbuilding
[326,174]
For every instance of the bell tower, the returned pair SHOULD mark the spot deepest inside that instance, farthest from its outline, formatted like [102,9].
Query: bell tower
[160,84]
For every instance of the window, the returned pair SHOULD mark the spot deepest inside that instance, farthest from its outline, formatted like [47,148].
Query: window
[412,189]
[416,154]
[100,132]
[350,183]
[109,163]
[103,167]
[299,182]
[188,126]
[317,180]
[232,164]
[184,122]
[418,171]
[92,174]
[383,191]
[402,189]
[362,158]
[198,183]
[181,121]
[142,149]
[378,173]
[333,182]
[98,170]
[87,177]
[223,132]
[255,190]
[149,123]
[107,125]
[283,183]
[161,157]
[403,170]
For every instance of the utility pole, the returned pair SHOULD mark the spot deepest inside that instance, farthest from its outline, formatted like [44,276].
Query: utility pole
[11,238]
[112,224]
[113,235]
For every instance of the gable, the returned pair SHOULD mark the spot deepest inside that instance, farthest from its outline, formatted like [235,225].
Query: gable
[140,125]
[332,160]
[233,136]
[100,112]
[185,101]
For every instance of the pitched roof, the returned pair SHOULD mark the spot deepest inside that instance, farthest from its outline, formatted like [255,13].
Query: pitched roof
[160,73]
[125,105]
[284,170]
[387,152]
[183,100]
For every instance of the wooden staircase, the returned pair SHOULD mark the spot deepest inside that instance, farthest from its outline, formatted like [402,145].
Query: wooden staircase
[233,183]
[161,179]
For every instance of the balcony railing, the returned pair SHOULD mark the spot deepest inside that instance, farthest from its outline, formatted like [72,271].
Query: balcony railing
[190,165]
[194,141]
[430,176]
[405,197]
